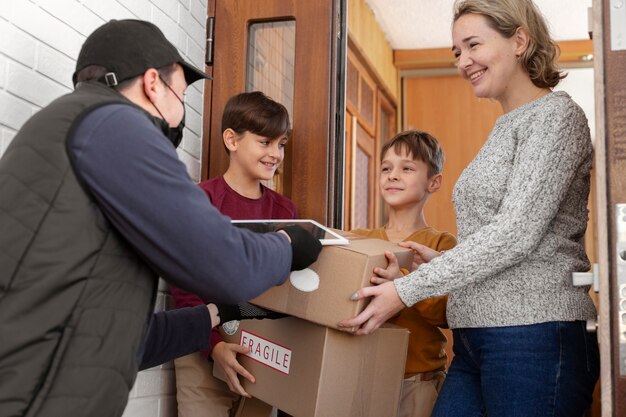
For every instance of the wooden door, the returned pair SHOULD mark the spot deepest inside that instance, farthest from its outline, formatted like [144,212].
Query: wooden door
[290,49]
[372,116]
[446,107]
[610,167]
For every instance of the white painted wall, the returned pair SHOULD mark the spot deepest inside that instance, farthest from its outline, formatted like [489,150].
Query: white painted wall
[154,392]
[40,40]
[580,85]
[420,24]
[39,43]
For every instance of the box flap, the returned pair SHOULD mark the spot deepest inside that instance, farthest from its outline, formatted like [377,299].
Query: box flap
[369,246]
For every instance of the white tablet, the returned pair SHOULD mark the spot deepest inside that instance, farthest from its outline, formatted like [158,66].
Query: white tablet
[323,233]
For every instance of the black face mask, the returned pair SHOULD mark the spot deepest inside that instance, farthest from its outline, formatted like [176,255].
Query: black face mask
[174,134]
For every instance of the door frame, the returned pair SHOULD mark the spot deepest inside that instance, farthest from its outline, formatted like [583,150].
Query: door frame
[314,159]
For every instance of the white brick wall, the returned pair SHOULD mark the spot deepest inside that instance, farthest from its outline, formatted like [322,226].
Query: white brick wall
[40,40]
[39,43]
[154,392]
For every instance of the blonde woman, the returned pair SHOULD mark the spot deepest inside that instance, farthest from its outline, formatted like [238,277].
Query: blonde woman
[520,343]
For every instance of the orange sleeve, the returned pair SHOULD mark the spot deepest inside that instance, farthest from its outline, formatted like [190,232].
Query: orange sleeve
[446,242]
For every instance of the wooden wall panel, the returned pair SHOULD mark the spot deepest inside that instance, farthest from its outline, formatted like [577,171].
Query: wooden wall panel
[372,116]
[370,40]
[571,52]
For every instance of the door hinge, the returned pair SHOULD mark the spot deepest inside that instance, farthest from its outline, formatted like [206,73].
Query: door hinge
[210,32]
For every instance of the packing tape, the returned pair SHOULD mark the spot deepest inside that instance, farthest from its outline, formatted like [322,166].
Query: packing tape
[367,352]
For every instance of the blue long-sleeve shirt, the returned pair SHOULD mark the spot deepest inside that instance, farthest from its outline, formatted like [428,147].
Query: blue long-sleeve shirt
[175,333]
[134,175]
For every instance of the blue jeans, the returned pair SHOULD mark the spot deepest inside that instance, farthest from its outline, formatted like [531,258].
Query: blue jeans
[543,370]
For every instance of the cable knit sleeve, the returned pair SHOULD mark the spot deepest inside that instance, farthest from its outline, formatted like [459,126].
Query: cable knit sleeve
[520,199]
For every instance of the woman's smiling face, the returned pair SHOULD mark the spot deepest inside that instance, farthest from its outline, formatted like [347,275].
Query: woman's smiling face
[484,57]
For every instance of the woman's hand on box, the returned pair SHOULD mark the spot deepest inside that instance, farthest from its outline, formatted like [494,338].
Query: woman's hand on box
[225,355]
[421,254]
[391,272]
[384,304]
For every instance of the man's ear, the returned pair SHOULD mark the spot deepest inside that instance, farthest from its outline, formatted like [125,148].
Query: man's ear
[435,183]
[150,83]
[230,138]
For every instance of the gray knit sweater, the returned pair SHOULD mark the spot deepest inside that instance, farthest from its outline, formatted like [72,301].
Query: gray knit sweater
[521,209]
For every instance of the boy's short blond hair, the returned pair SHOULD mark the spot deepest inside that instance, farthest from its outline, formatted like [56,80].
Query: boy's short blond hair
[420,146]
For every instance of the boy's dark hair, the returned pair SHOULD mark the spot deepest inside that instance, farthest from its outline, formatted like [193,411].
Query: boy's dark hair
[420,146]
[256,113]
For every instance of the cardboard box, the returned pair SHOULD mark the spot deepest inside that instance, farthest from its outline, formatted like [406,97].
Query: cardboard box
[308,370]
[340,270]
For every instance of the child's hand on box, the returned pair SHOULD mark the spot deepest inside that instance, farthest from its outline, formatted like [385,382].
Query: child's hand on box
[390,273]
[225,355]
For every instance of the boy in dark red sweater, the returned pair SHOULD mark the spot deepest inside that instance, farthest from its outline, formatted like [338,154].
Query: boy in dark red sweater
[255,130]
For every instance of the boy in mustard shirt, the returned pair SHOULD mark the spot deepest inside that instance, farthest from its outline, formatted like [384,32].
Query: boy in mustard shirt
[411,165]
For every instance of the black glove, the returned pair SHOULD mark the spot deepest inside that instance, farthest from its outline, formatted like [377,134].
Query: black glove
[245,311]
[305,247]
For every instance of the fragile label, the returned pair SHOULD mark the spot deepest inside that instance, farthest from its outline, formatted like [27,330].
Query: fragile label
[266,352]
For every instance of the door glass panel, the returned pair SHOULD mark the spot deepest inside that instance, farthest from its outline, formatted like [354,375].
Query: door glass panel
[270,62]
[270,69]
[361,189]
[385,126]
[385,133]
[352,85]
[362,178]
[367,102]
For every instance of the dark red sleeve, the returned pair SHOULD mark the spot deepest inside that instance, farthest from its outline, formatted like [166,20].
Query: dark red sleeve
[215,338]
[184,299]
[204,186]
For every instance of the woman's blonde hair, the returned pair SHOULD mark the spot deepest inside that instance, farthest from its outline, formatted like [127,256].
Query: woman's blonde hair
[505,17]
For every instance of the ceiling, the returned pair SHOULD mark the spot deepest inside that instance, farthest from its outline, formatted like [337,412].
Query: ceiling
[419,24]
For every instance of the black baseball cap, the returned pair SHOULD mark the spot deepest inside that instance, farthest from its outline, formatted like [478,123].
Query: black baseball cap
[127,48]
